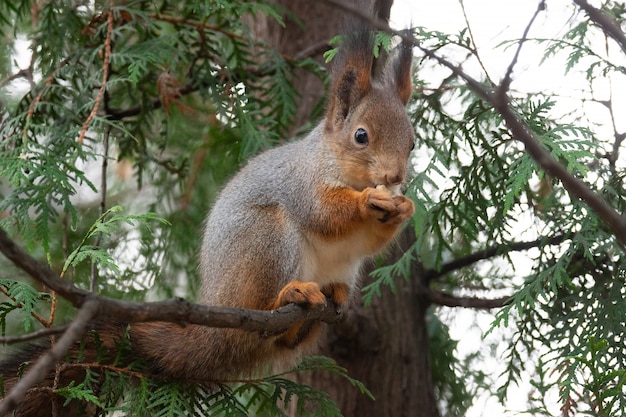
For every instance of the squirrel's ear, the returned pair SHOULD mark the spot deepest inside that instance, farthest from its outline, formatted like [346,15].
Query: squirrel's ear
[402,71]
[352,76]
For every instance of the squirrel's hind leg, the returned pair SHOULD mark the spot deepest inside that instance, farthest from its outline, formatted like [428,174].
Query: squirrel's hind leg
[308,294]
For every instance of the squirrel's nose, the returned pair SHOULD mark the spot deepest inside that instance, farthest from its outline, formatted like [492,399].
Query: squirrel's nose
[393,179]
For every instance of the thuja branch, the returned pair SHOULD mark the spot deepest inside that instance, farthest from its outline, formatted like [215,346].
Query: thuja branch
[490,252]
[605,22]
[105,73]
[36,316]
[506,81]
[173,310]
[448,300]
[522,132]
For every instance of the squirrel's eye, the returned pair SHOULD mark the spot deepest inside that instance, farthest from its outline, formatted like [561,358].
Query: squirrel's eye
[360,136]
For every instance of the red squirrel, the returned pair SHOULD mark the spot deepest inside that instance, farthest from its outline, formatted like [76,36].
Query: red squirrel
[293,226]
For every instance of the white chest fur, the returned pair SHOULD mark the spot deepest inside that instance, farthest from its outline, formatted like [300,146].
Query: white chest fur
[327,262]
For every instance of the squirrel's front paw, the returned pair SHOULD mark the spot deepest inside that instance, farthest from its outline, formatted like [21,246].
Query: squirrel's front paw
[379,204]
[405,210]
[385,207]
[306,294]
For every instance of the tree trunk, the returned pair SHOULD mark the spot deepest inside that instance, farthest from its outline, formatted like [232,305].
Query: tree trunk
[386,345]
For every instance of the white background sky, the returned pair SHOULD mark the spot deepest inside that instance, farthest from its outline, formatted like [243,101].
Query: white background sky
[491,22]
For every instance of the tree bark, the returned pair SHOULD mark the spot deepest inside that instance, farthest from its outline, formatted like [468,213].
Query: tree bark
[386,345]
[308,35]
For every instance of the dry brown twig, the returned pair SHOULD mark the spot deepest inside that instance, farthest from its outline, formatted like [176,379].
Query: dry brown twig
[7,340]
[105,74]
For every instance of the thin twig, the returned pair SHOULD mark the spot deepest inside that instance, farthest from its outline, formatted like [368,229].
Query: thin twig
[506,81]
[23,73]
[444,299]
[119,114]
[613,156]
[105,73]
[475,46]
[196,166]
[36,316]
[7,340]
[95,365]
[490,252]
[45,362]
[33,105]
[103,199]
[606,23]
[317,48]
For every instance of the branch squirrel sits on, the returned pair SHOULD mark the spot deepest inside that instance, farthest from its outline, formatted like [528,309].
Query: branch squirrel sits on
[293,226]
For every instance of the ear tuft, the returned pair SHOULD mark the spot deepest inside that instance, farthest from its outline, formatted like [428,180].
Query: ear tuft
[344,92]
[402,71]
[352,75]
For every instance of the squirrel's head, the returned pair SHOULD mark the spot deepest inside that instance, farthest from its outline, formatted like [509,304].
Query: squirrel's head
[366,121]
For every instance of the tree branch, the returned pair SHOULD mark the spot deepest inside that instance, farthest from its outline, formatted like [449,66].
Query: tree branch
[474,48]
[177,310]
[522,132]
[119,114]
[105,74]
[174,310]
[576,187]
[448,300]
[506,81]
[23,73]
[606,23]
[7,340]
[489,252]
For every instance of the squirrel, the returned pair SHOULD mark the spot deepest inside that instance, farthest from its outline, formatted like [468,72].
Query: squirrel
[295,225]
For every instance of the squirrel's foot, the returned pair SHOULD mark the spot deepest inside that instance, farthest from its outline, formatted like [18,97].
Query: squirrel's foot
[307,294]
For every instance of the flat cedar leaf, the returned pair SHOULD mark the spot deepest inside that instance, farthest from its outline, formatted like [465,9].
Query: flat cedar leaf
[24,298]
[324,363]
[106,226]
[270,10]
[78,392]
[330,54]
